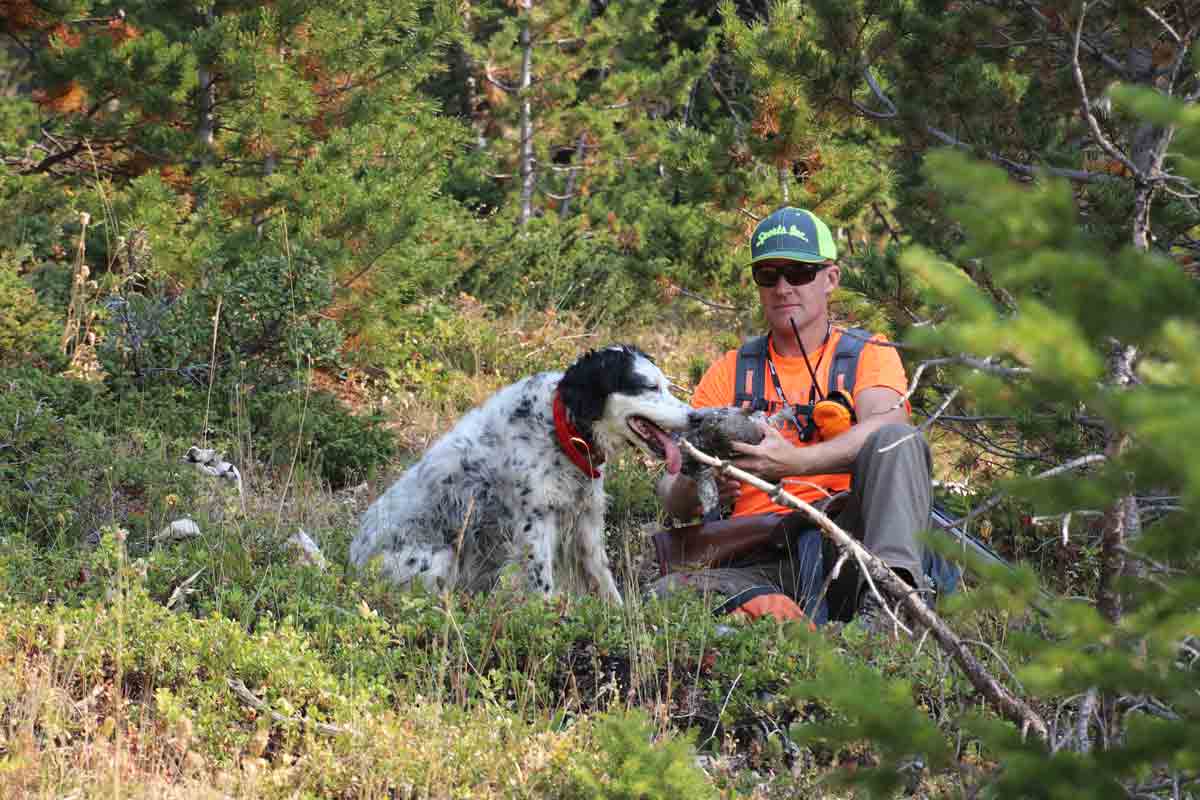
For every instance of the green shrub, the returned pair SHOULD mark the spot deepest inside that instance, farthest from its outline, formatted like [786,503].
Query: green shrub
[27,328]
[629,485]
[629,765]
[72,465]
[182,663]
[267,308]
[341,447]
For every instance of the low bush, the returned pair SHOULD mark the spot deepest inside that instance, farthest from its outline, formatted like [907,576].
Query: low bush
[27,327]
[65,475]
[317,430]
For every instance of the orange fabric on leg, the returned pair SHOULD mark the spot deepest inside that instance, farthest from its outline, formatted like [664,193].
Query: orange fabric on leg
[779,606]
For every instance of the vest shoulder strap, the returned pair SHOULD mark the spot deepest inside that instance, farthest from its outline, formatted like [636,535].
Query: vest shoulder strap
[845,360]
[750,375]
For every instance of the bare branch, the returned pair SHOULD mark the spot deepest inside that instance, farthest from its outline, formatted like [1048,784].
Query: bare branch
[980,364]
[1077,175]
[1080,176]
[1086,105]
[725,100]
[891,112]
[1108,61]
[1166,25]
[705,300]
[927,424]
[995,499]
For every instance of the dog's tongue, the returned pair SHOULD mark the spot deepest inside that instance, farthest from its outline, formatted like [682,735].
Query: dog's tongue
[671,452]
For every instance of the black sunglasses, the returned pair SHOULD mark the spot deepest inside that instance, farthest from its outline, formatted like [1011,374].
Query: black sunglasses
[795,274]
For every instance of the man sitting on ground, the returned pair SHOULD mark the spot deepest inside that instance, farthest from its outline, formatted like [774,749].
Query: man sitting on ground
[881,459]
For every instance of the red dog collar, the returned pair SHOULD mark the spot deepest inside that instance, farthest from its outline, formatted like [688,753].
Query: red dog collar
[573,443]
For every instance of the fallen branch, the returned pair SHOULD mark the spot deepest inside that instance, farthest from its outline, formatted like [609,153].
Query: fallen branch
[247,697]
[880,575]
[183,589]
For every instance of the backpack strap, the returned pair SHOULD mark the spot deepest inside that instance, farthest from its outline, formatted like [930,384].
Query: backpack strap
[750,375]
[845,361]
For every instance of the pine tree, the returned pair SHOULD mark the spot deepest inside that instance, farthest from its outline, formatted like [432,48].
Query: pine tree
[236,130]
[575,95]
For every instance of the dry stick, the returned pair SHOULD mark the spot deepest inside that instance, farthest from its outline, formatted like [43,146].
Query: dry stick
[78,281]
[247,697]
[998,696]
[927,424]
[829,579]
[1166,25]
[212,369]
[183,589]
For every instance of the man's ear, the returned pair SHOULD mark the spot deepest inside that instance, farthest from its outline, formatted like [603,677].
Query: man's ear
[833,278]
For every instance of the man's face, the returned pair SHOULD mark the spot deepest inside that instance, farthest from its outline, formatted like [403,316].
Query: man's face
[804,304]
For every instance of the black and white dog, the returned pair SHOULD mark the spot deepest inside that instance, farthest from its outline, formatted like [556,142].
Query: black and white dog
[519,480]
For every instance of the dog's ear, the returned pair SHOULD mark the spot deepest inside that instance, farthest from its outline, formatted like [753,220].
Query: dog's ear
[597,374]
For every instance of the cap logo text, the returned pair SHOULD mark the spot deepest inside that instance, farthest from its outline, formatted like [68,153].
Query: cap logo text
[780,230]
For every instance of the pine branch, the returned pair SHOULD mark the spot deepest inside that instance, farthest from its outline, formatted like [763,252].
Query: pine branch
[1079,176]
[725,100]
[879,574]
[1093,49]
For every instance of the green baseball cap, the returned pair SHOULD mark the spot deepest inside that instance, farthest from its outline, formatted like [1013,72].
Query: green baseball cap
[793,234]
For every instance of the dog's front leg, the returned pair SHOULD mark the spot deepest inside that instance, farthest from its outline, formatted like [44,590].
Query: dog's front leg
[537,546]
[594,558]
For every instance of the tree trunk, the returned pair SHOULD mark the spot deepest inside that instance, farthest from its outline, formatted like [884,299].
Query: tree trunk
[527,173]
[580,150]
[1148,145]
[206,128]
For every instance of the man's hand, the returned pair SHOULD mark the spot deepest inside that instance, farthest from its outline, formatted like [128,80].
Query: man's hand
[771,459]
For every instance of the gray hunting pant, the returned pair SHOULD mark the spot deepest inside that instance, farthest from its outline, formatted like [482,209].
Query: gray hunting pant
[889,504]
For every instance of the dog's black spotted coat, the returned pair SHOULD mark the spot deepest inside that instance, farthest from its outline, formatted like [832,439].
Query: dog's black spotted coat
[498,489]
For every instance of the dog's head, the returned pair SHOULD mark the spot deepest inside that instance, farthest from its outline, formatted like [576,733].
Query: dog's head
[617,395]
